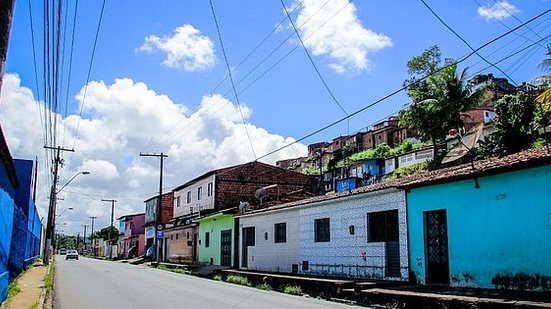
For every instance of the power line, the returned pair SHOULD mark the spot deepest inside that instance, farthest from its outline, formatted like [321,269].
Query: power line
[231,77]
[404,87]
[517,19]
[464,41]
[181,131]
[89,71]
[312,60]
[70,65]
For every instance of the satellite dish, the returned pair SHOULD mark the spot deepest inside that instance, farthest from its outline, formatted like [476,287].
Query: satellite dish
[261,194]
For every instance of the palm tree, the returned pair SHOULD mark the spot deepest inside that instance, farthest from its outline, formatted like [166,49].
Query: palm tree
[545,81]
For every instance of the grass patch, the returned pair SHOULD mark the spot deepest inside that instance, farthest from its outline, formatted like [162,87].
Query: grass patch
[174,269]
[264,286]
[218,278]
[49,279]
[13,289]
[292,289]
[238,280]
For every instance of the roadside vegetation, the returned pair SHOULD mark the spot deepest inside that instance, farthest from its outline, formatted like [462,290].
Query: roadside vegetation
[177,270]
[292,289]
[238,280]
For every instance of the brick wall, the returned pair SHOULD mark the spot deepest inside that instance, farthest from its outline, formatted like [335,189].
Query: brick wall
[239,184]
[167,204]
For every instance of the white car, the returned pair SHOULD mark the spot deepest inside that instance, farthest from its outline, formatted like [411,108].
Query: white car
[71,254]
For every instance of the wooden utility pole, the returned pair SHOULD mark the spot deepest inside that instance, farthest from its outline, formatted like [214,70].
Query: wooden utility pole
[111,229]
[92,236]
[158,211]
[84,238]
[6,15]
[52,205]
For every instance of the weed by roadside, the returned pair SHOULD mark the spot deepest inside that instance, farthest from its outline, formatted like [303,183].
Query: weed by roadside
[238,280]
[218,278]
[174,270]
[292,289]
[264,286]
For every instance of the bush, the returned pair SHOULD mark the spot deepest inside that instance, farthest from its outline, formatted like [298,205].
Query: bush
[218,278]
[238,280]
[292,289]
[264,286]
[406,171]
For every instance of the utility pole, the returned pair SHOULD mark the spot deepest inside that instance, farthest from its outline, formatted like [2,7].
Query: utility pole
[78,241]
[110,230]
[84,237]
[158,212]
[92,236]
[51,208]
[6,15]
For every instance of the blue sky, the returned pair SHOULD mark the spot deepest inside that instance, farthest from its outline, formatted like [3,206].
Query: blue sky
[361,52]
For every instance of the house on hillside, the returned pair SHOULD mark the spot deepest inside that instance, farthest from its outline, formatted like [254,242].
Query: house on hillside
[134,235]
[487,227]
[167,205]
[222,189]
[357,234]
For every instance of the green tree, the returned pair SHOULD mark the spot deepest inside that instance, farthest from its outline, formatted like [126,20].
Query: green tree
[438,100]
[516,125]
[545,81]
[104,233]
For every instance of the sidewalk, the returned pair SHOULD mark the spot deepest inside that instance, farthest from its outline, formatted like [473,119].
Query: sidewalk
[31,284]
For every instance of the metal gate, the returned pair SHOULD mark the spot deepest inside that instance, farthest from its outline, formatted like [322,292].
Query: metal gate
[225,247]
[436,247]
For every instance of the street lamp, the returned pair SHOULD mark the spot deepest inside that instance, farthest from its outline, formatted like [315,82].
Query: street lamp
[50,227]
[64,211]
[75,176]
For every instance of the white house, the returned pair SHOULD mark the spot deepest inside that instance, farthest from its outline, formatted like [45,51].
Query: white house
[357,234]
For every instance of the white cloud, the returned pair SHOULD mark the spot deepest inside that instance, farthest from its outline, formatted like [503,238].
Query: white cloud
[499,10]
[120,120]
[341,37]
[186,49]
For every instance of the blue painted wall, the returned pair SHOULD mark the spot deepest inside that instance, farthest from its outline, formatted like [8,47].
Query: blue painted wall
[504,228]
[6,220]
[346,184]
[374,167]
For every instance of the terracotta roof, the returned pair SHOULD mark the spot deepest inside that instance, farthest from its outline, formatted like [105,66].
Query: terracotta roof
[131,215]
[521,160]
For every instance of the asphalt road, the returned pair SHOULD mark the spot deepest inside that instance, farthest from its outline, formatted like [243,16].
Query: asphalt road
[89,283]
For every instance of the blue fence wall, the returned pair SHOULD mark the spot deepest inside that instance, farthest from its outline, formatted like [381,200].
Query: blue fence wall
[7,206]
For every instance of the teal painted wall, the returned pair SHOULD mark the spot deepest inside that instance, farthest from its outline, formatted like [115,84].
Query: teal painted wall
[504,227]
[214,226]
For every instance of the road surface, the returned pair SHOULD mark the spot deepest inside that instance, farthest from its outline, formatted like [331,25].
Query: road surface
[89,283]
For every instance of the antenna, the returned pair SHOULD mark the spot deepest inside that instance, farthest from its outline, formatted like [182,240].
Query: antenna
[261,194]
[243,206]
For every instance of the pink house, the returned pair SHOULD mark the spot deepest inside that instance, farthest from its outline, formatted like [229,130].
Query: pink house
[134,235]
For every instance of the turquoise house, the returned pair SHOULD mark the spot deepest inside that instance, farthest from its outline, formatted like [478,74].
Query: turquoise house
[487,228]
[216,243]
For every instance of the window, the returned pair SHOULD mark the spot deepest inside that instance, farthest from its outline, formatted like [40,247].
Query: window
[321,230]
[280,232]
[249,236]
[188,199]
[199,192]
[209,189]
[176,236]
[178,201]
[207,239]
[382,226]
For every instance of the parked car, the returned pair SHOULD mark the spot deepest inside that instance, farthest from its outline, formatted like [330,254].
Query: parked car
[62,251]
[72,254]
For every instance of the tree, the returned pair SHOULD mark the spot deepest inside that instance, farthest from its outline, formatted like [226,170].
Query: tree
[439,99]
[104,233]
[545,81]
[516,125]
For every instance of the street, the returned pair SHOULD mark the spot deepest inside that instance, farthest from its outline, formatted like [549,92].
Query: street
[89,283]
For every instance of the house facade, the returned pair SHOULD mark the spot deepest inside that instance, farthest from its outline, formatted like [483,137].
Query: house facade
[167,205]
[486,228]
[216,238]
[134,235]
[360,234]
[219,190]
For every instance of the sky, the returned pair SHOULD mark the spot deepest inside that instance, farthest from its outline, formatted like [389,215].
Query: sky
[158,82]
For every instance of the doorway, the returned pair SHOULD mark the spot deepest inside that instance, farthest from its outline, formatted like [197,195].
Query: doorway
[225,247]
[436,247]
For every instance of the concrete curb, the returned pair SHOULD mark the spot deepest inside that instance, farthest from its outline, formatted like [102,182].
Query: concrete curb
[42,298]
